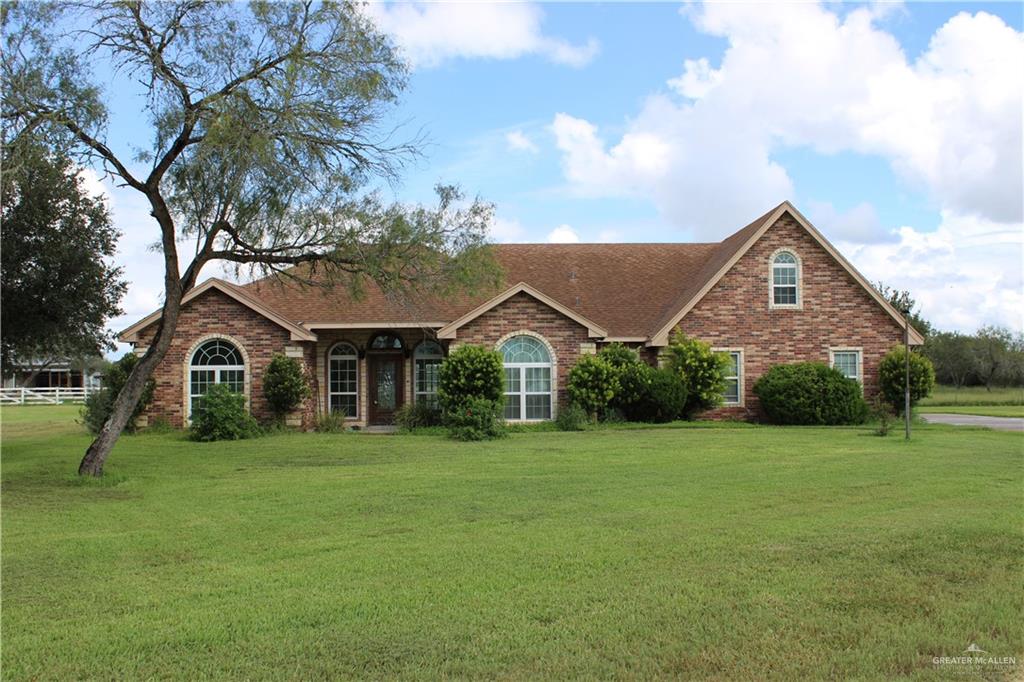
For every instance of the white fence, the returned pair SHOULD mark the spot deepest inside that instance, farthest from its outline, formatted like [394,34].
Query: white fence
[43,396]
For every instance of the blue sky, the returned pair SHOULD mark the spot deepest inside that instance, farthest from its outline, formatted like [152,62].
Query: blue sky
[895,128]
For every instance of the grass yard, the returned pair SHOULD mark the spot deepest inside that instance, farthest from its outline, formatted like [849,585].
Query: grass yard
[732,553]
[987,410]
[975,395]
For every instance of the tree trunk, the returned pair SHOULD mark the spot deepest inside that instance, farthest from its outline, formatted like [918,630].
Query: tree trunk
[125,402]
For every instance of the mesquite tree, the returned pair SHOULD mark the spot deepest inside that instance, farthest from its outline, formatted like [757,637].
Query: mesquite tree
[267,129]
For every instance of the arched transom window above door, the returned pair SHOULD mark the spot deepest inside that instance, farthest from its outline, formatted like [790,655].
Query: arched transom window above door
[386,342]
[217,361]
[528,380]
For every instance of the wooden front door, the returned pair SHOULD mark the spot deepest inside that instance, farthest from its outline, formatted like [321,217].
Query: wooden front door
[386,387]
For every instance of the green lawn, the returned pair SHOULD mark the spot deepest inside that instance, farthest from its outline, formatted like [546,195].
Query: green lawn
[975,395]
[988,410]
[732,553]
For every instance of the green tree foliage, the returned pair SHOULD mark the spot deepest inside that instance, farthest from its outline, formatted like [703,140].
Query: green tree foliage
[592,383]
[56,282]
[470,371]
[701,370]
[904,302]
[953,357]
[221,415]
[284,384]
[892,377]
[619,355]
[98,405]
[269,127]
[810,393]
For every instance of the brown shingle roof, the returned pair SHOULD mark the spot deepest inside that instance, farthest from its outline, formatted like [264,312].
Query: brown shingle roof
[629,289]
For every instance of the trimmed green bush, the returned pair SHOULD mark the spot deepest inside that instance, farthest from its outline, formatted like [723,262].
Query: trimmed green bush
[701,370]
[418,415]
[892,378]
[470,372]
[810,393]
[619,355]
[634,384]
[476,419]
[572,418]
[284,385]
[221,415]
[663,399]
[99,404]
[592,384]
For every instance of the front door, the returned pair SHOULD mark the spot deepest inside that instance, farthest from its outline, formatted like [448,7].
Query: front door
[386,394]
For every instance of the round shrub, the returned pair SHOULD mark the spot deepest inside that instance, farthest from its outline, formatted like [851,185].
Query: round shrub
[662,401]
[619,355]
[810,393]
[591,384]
[634,384]
[702,371]
[221,415]
[572,418]
[99,404]
[476,419]
[284,384]
[470,372]
[892,377]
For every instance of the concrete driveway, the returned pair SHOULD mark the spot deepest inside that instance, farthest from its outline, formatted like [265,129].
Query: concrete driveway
[998,423]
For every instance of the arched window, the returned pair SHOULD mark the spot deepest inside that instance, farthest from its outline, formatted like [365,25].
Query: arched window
[427,361]
[527,378]
[216,361]
[785,283]
[386,342]
[343,380]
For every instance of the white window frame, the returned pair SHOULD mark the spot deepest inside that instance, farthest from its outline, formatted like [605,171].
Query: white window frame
[417,357]
[739,377]
[331,357]
[849,349]
[798,266]
[522,367]
[190,367]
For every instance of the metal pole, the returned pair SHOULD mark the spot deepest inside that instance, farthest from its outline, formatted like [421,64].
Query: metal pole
[906,371]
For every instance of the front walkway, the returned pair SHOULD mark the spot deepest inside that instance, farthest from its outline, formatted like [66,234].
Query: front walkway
[998,423]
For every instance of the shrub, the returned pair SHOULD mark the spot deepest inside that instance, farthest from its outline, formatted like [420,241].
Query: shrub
[418,415]
[810,393]
[634,383]
[619,355]
[663,399]
[221,415]
[572,418]
[882,415]
[591,384]
[99,404]
[332,421]
[892,377]
[702,371]
[284,385]
[470,372]
[476,419]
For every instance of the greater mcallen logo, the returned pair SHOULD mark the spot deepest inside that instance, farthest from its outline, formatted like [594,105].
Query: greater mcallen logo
[975,656]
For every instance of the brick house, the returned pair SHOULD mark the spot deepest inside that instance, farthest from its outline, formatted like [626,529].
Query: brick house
[774,292]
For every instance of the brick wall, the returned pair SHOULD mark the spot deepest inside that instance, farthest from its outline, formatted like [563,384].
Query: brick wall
[215,314]
[835,312]
[522,312]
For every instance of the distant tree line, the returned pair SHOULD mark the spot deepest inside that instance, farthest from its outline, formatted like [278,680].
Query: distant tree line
[992,356]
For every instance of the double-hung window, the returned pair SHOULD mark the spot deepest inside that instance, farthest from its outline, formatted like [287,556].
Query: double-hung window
[215,362]
[785,280]
[848,362]
[343,380]
[732,395]
[427,360]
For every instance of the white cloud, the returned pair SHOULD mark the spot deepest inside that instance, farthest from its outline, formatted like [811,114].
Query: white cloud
[503,230]
[563,234]
[798,75]
[859,225]
[432,33]
[609,236]
[518,141]
[966,273]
